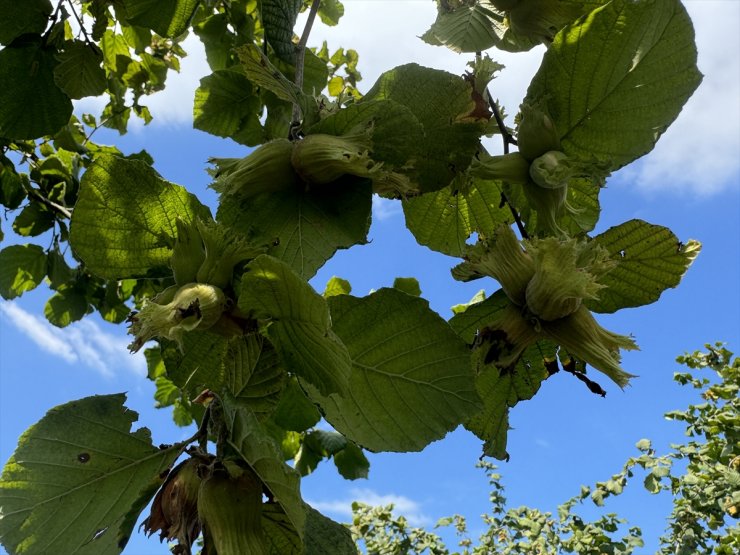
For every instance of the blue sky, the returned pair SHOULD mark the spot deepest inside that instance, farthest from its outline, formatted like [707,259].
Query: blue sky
[562,438]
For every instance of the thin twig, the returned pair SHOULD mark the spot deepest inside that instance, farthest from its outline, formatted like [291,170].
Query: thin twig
[300,55]
[508,140]
[49,203]
[79,22]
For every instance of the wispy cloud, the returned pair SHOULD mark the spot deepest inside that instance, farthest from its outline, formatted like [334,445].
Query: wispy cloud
[82,343]
[384,208]
[342,508]
[699,153]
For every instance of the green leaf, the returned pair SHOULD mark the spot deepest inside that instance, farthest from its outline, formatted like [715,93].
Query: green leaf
[31,105]
[226,106]
[22,268]
[351,462]
[444,220]
[21,18]
[411,380]
[67,305]
[305,228]
[330,12]
[200,363]
[466,29]
[300,326]
[79,479]
[323,536]
[58,270]
[295,412]
[650,260]
[168,18]
[444,105]
[79,73]
[262,391]
[34,219]
[409,285]
[278,18]
[218,41]
[337,286]
[615,80]
[113,47]
[255,446]
[118,238]
[262,73]
[501,389]
[12,193]
[396,133]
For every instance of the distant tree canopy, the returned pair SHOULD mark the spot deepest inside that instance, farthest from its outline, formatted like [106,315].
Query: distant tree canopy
[234,336]
[702,475]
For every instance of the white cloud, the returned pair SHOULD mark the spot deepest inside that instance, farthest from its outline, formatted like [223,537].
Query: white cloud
[700,153]
[81,343]
[342,508]
[384,208]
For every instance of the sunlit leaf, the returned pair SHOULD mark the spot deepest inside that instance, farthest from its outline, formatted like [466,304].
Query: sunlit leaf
[279,17]
[300,327]
[79,479]
[118,238]
[614,81]
[411,380]
[304,228]
[79,73]
[22,267]
[650,260]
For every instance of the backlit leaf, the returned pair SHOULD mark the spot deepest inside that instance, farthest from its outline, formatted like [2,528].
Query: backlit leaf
[443,103]
[255,446]
[22,267]
[444,220]
[614,81]
[168,18]
[300,326]
[123,224]
[411,380]
[304,228]
[79,73]
[79,479]
[226,106]
[466,29]
[650,260]
[279,17]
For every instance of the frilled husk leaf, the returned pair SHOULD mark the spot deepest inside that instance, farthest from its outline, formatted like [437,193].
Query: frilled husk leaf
[320,159]
[552,170]
[266,169]
[174,512]
[188,254]
[224,249]
[393,185]
[511,168]
[550,205]
[194,305]
[537,133]
[585,339]
[566,272]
